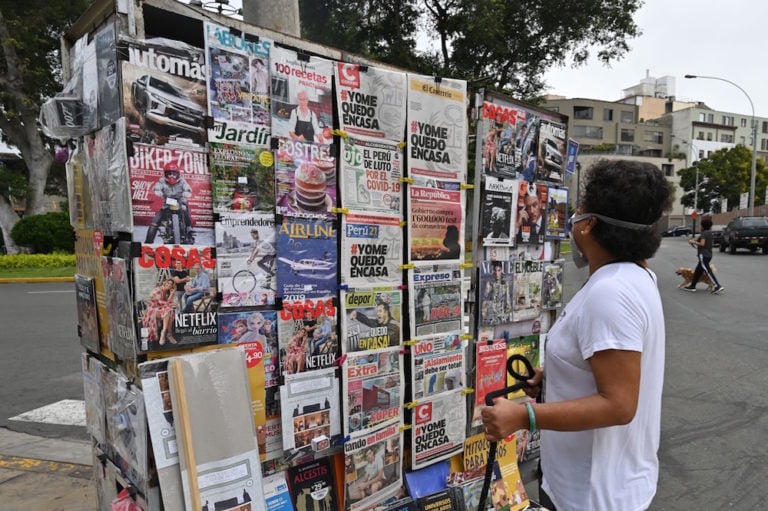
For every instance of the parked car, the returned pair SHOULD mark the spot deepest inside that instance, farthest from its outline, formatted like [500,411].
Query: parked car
[749,232]
[717,234]
[166,105]
[678,230]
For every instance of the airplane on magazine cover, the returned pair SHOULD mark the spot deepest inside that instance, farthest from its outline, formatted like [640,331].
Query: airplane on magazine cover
[312,268]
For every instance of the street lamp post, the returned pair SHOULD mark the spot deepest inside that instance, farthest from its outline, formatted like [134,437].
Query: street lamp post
[696,190]
[754,139]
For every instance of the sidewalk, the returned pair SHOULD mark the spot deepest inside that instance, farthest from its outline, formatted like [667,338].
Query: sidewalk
[33,280]
[45,474]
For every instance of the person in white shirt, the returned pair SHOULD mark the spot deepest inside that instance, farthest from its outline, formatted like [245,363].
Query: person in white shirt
[600,418]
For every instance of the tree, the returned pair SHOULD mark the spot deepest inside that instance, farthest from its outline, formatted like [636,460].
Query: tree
[29,73]
[724,174]
[503,44]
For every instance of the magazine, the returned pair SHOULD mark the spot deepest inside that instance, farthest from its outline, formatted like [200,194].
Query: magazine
[371,101]
[502,130]
[373,393]
[170,314]
[93,398]
[490,373]
[496,278]
[557,213]
[237,75]
[439,424]
[436,300]
[499,205]
[302,101]
[305,176]
[111,161]
[246,259]
[508,491]
[436,224]
[552,285]
[531,216]
[310,410]
[307,266]
[437,365]
[78,189]
[307,334]
[242,177]
[374,248]
[449,498]
[552,148]
[527,147]
[371,319]
[98,184]
[90,85]
[373,466]
[87,317]
[437,126]
[526,289]
[171,195]
[277,496]
[108,72]
[88,244]
[371,172]
[122,329]
[312,486]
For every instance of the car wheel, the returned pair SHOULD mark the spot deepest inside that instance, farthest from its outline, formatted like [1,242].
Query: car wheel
[731,248]
[721,246]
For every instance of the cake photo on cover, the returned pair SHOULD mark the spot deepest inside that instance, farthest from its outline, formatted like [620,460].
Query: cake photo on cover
[311,184]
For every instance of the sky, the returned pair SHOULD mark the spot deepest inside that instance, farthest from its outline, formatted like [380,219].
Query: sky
[699,37]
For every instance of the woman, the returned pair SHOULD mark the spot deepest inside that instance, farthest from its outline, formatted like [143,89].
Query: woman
[160,311]
[304,124]
[600,419]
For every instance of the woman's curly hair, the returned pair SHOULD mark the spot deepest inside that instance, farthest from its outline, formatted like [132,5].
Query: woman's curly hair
[631,191]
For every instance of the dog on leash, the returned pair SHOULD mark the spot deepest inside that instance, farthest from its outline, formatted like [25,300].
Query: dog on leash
[687,275]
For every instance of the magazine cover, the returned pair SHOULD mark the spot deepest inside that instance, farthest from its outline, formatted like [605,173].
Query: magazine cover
[437,126]
[310,410]
[312,486]
[302,101]
[277,496]
[307,335]
[499,207]
[162,433]
[307,266]
[305,175]
[371,172]
[449,498]
[436,224]
[527,147]
[502,130]
[175,293]
[171,195]
[508,491]
[242,177]
[90,85]
[122,329]
[78,190]
[246,259]
[490,372]
[98,184]
[439,426]
[374,248]
[164,92]
[93,398]
[557,213]
[111,161]
[371,101]
[526,289]
[436,299]
[552,285]
[87,317]
[238,76]
[531,219]
[373,467]
[496,278]
[373,394]
[552,148]
[88,244]
[106,61]
[437,365]
[371,319]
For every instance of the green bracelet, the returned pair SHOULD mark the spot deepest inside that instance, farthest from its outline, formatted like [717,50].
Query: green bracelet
[531,418]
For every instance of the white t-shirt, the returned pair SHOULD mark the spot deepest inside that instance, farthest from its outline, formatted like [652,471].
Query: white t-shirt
[613,468]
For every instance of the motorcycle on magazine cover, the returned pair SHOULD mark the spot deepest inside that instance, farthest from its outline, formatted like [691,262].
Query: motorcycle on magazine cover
[173,228]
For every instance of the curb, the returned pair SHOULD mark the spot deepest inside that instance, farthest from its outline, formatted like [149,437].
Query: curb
[34,280]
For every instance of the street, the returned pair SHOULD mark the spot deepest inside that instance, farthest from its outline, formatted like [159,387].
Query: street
[714,408]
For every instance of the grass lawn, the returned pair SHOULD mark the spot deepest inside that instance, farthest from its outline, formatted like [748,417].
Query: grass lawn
[65,271]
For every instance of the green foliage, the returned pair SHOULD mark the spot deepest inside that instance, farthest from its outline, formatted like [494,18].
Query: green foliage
[45,233]
[28,261]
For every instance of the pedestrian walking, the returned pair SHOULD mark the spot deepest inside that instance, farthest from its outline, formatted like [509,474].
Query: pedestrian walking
[703,246]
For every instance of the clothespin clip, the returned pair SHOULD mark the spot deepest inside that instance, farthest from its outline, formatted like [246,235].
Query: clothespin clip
[408,180]
[340,361]
[402,144]
[405,352]
[411,405]
[340,440]
[465,337]
[344,287]
[343,134]
[466,186]
[408,266]
[467,390]
[403,223]
[405,427]
[402,286]
[464,266]
[343,211]
[410,343]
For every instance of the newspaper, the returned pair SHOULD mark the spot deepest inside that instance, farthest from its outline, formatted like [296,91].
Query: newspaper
[557,213]
[122,330]
[374,248]
[307,266]
[373,466]
[436,224]
[309,405]
[531,218]
[151,191]
[242,177]
[371,172]
[552,148]
[307,335]
[435,299]
[552,285]
[437,365]
[305,179]
[370,101]
[501,130]
[490,372]
[301,96]
[499,204]
[437,126]
[371,319]
[246,259]
[237,76]
[373,393]
[526,289]
[439,426]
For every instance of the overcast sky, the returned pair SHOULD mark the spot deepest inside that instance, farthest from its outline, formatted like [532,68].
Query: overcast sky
[701,37]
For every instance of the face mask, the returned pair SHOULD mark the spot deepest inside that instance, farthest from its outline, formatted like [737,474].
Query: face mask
[577,256]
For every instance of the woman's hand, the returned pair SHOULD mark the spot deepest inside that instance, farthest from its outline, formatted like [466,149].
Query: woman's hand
[534,384]
[503,418]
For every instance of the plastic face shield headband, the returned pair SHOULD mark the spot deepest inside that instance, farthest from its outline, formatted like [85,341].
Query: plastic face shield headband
[612,221]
